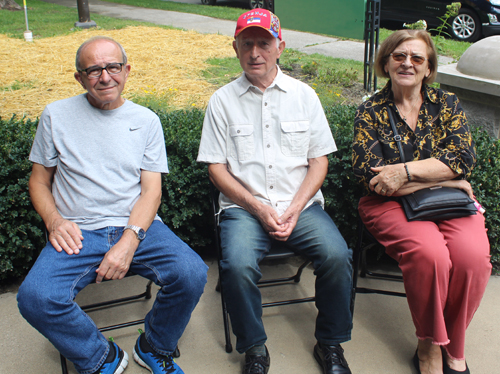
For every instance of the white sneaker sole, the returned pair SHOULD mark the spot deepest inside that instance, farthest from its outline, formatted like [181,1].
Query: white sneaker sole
[140,362]
[123,364]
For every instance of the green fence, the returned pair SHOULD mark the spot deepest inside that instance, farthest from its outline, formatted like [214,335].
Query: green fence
[332,17]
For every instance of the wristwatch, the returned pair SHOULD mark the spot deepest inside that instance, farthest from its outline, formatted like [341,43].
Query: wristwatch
[139,232]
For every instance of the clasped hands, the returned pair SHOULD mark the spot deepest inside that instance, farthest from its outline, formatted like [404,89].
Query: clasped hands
[279,228]
[66,235]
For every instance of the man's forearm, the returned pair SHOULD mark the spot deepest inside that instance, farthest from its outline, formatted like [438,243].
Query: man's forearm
[231,188]
[146,207]
[40,184]
[316,173]
[144,210]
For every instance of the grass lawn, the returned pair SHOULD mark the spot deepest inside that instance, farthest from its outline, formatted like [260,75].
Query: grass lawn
[47,20]
[222,12]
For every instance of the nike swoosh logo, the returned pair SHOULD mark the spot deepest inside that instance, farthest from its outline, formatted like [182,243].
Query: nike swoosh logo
[131,129]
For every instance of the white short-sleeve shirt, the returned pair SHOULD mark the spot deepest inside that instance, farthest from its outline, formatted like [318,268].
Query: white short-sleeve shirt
[266,138]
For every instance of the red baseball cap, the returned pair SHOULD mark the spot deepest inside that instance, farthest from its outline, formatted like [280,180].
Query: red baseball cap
[259,18]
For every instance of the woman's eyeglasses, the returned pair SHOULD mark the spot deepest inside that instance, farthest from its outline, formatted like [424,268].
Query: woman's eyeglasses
[415,59]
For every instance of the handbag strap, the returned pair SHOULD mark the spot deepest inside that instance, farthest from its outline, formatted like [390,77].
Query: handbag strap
[397,137]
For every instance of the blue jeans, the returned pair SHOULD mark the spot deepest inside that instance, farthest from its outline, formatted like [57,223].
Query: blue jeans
[245,243]
[46,296]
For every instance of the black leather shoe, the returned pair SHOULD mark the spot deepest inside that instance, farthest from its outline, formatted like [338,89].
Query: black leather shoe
[416,362]
[448,370]
[257,364]
[331,358]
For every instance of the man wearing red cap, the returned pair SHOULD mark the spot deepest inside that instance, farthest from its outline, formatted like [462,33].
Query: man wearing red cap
[266,140]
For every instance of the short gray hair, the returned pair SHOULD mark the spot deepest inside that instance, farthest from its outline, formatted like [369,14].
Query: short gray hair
[93,39]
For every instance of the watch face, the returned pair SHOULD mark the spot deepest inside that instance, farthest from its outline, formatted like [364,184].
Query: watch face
[141,234]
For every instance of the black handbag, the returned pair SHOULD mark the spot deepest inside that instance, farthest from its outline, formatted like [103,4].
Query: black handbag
[432,203]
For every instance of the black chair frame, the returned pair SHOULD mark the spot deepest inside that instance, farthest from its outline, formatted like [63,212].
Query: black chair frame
[277,252]
[90,307]
[360,264]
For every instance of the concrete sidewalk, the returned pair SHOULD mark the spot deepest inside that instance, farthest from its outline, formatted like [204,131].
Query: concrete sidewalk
[383,338]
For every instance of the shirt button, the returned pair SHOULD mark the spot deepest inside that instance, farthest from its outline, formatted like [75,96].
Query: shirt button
[267,126]
[265,104]
[269,146]
[271,187]
[270,166]
[238,131]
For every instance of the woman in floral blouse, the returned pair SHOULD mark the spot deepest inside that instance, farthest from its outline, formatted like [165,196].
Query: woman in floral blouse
[445,264]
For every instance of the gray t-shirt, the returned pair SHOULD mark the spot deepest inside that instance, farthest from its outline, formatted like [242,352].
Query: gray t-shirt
[99,155]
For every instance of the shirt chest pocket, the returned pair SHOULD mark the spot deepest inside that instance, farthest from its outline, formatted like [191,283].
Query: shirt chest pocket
[295,138]
[242,145]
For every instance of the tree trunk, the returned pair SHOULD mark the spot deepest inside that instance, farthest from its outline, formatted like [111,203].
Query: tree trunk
[9,5]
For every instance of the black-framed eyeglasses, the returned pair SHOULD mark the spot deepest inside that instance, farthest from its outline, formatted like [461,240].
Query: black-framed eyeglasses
[96,71]
[415,59]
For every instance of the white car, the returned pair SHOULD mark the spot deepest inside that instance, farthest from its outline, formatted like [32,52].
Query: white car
[252,4]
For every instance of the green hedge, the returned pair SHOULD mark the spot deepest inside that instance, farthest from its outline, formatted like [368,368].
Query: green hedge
[485,181]
[20,226]
[185,202]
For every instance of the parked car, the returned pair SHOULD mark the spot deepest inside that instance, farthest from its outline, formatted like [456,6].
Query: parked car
[476,19]
[252,4]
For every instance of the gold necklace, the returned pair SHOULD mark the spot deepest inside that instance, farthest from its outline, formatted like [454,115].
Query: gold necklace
[408,113]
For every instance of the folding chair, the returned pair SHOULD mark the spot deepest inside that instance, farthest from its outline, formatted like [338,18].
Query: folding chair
[146,295]
[95,306]
[359,257]
[277,252]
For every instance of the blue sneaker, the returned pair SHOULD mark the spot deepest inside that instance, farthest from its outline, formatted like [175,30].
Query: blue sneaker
[154,362]
[119,363]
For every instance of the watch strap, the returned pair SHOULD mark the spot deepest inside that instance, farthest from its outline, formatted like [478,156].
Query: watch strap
[135,229]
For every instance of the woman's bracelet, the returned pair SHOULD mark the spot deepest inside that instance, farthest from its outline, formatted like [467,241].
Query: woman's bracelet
[407,173]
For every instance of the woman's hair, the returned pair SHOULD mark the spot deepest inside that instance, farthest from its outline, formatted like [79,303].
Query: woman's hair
[396,39]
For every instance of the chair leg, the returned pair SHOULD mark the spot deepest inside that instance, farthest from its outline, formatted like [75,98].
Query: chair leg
[296,279]
[176,353]
[64,367]
[360,265]
[227,332]
[225,318]
[363,266]
[148,290]
[147,294]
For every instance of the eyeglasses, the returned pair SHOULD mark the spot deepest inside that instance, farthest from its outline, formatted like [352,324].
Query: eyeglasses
[96,71]
[415,59]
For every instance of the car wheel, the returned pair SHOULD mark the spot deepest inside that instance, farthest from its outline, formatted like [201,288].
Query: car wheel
[465,26]
[208,2]
[256,4]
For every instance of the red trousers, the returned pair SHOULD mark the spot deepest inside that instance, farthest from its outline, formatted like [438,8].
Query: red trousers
[445,264]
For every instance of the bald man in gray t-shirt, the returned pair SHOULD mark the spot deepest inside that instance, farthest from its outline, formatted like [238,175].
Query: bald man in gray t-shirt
[98,161]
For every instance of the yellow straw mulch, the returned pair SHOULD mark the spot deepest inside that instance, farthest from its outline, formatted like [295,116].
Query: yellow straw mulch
[164,62]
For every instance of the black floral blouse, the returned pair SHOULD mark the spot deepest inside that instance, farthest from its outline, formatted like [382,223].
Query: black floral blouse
[442,133]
